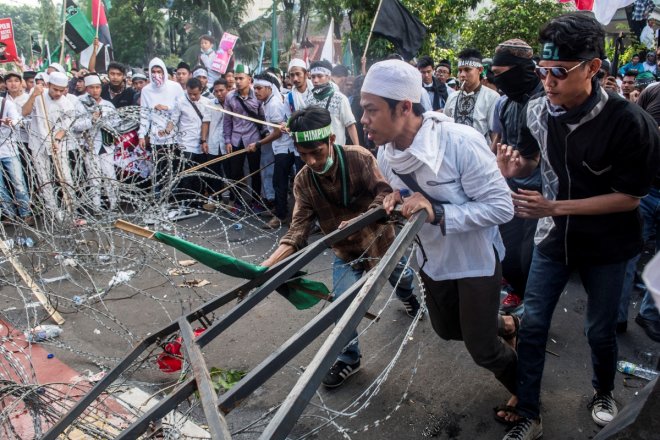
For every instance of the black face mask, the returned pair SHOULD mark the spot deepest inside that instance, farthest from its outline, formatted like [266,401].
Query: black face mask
[517,81]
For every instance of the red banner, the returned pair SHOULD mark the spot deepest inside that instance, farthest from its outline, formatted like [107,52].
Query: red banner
[8,53]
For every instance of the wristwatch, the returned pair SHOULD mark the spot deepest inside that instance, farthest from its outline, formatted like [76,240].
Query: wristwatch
[439,220]
[257,144]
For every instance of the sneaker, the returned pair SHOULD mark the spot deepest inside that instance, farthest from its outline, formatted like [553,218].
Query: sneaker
[412,305]
[339,372]
[273,223]
[510,302]
[603,408]
[525,429]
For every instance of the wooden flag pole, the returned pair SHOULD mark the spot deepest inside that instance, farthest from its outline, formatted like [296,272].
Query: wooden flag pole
[247,118]
[134,229]
[92,60]
[373,24]
[63,32]
[212,161]
[233,185]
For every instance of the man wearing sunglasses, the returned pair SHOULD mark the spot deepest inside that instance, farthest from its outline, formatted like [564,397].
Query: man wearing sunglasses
[598,155]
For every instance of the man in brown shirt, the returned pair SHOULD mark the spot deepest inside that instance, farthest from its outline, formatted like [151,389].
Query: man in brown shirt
[338,184]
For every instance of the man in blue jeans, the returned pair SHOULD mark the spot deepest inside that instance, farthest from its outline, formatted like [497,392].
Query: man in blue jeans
[598,155]
[337,184]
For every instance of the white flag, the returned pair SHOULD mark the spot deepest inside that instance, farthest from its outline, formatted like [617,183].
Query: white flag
[604,10]
[328,47]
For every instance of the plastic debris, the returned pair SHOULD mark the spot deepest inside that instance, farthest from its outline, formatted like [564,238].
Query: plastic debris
[43,332]
[121,277]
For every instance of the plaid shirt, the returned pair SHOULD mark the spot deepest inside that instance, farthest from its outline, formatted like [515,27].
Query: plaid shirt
[367,189]
[642,9]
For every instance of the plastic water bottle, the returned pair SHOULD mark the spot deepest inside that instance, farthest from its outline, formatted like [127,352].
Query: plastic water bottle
[237,226]
[636,370]
[43,332]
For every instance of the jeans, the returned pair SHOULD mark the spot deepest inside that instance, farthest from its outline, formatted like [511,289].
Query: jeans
[547,279]
[267,157]
[649,208]
[344,276]
[11,168]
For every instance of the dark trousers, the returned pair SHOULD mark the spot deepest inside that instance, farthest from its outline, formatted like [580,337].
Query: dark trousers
[234,169]
[191,185]
[213,182]
[518,238]
[283,167]
[467,310]
[167,159]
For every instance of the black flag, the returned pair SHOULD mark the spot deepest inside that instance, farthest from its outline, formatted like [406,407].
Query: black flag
[395,23]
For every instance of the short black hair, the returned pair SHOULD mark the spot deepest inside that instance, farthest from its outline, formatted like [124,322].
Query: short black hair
[117,66]
[228,71]
[468,53]
[220,82]
[207,38]
[425,61]
[322,63]
[194,83]
[631,72]
[417,108]
[311,118]
[340,70]
[183,65]
[575,33]
[267,77]
[445,63]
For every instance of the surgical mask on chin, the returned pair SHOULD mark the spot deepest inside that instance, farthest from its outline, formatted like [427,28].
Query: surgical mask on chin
[328,164]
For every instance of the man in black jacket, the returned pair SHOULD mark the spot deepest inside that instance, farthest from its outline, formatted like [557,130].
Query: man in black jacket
[437,90]
[117,91]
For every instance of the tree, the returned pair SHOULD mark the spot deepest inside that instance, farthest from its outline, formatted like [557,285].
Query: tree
[509,19]
[24,19]
[49,23]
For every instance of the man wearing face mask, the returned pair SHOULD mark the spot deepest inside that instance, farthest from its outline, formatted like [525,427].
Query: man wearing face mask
[514,75]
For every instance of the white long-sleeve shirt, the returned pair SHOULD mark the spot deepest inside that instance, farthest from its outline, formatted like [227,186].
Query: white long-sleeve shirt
[188,122]
[8,138]
[216,138]
[61,113]
[23,124]
[475,197]
[85,123]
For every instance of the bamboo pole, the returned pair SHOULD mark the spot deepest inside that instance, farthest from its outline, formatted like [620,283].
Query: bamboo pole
[212,161]
[233,185]
[373,23]
[247,118]
[63,32]
[55,156]
[134,229]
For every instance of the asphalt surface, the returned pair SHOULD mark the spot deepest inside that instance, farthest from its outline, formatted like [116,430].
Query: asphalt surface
[434,390]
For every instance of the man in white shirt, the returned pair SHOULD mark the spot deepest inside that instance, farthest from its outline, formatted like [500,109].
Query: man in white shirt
[327,96]
[302,86]
[216,139]
[10,164]
[473,104]
[93,114]
[192,117]
[450,171]
[648,37]
[276,111]
[51,139]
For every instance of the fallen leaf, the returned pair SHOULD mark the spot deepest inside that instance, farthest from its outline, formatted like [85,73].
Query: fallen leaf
[195,283]
[173,272]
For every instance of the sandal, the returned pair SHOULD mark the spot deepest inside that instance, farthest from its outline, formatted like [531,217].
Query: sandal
[507,409]
[511,338]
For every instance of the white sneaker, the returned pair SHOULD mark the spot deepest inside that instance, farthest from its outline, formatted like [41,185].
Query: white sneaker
[525,429]
[603,408]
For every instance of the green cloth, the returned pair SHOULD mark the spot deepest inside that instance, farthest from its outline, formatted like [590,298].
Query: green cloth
[300,292]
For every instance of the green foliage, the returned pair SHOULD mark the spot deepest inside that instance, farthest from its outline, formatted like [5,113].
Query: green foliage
[225,379]
[49,22]
[24,19]
[508,19]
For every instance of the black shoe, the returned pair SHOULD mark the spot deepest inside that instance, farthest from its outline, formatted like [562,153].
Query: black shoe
[603,408]
[621,327]
[525,429]
[339,372]
[412,305]
[651,328]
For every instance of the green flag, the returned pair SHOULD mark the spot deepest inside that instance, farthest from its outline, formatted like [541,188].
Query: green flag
[302,293]
[274,48]
[347,59]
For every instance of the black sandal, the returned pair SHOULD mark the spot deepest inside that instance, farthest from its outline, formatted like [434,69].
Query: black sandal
[507,409]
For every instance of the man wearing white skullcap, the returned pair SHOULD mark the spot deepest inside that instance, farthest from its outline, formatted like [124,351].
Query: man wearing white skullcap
[302,86]
[51,139]
[202,75]
[95,119]
[55,67]
[448,170]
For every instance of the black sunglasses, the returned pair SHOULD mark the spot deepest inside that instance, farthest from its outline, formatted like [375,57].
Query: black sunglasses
[558,72]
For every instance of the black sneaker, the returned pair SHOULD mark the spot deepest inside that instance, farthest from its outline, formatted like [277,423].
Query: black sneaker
[525,429]
[412,305]
[339,372]
[603,408]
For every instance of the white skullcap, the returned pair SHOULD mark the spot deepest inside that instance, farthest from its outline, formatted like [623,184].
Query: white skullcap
[394,79]
[139,75]
[92,80]
[42,76]
[200,72]
[58,79]
[297,62]
[58,67]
